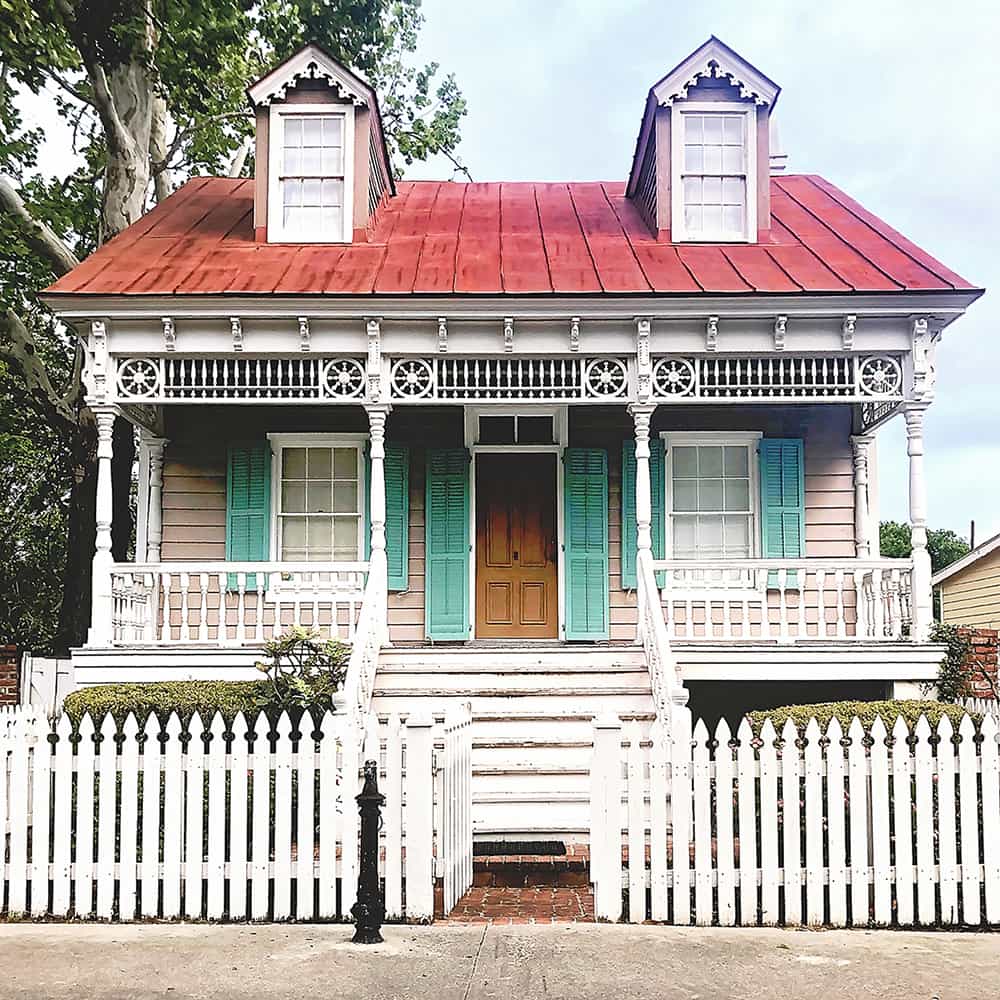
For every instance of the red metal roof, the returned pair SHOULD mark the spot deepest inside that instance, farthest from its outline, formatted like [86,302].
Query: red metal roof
[442,237]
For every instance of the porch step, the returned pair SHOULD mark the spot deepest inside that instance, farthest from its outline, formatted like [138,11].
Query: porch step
[533,709]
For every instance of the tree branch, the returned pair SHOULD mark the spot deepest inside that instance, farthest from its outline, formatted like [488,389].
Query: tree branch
[73,92]
[37,234]
[164,163]
[239,161]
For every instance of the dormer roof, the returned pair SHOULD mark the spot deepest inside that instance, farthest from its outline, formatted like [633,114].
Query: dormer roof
[312,62]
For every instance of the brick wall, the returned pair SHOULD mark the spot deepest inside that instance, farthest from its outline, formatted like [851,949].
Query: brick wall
[982,659]
[9,661]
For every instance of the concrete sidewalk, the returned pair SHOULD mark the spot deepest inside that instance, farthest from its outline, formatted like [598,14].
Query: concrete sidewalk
[453,962]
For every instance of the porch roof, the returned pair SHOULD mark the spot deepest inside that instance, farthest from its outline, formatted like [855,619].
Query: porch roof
[507,238]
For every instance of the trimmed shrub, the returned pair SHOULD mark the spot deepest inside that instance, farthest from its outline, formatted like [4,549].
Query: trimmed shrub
[163,697]
[866,711]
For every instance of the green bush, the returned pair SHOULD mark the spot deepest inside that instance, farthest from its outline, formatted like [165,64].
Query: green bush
[163,697]
[866,711]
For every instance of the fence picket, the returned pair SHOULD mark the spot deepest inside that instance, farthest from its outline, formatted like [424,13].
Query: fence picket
[658,792]
[680,796]
[393,814]
[902,803]
[238,795]
[216,833]
[194,825]
[62,813]
[857,782]
[969,814]
[328,826]
[947,831]
[84,862]
[128,835]
[814,824]
[283,818]
[769,825]
[41,788]
[106,817]
[173,817]
[990,757]
[17,800]
[349,819]
[725,866]
[881,837]
[149,871]
[260,836]
[746,785]
[606,825]
[923,775]
[791,830]
[304,824]
[837,844]
[635,793]
[702,827]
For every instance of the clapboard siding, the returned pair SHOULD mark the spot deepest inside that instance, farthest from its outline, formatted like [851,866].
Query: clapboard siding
[972,596]
[194,487]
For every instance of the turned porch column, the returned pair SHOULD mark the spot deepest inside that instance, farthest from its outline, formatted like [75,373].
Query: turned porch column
[641,414]
[861,443]
[921,583]
[377,415]
[101,601]
[154,515]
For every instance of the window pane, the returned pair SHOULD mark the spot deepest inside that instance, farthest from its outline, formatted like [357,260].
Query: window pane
[685,495]
[694,158]
[345,498]
[345,538]
[693,128]
[320,531]
[311,188]
[312,130]
[333,131]
[293,463]
[685,462]
[710,461]
[333,160]
[293,160]
[293,534]
[685,538]
[345,463]
[319,463]
[312,160]
[713,128]
[293,131]
[496,430]
[737,537]
[710,537]
[710,494]
[333,193]
[692,218]
[692,190]
[332,222]
[291,192]
[737,494]
[712,191]
[534,430]
[733,220]
[713,159]
[733,191]
[732,159]
[319,497]
[293,498]
[735,460]
[711,218]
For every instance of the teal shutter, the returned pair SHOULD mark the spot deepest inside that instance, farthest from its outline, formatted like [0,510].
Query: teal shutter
[630,541]
[586,543]
[447,544]
[782,500]
[397,513]
[248,506]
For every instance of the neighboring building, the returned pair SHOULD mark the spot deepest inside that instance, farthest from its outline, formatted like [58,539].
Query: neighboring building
[970,587]
[568,447]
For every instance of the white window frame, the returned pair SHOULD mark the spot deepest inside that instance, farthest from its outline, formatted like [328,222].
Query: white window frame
[678,230]
[748,439]
[276,145]
[558,413]
[281,441]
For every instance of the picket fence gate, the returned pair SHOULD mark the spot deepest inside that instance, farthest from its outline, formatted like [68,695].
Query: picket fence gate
[235,821]
[878,829]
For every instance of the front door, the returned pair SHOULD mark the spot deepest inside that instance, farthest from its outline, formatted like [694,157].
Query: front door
[516,575]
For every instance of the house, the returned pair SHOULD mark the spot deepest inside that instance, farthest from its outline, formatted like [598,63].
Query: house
[559,449]
[970,587]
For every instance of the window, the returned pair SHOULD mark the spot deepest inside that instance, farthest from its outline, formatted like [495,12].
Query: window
[516,429]
[713,175]
[320,501]
[712,488]
[310,191]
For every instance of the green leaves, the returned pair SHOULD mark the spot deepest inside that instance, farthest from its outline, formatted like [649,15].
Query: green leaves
[304,670]
[944,546]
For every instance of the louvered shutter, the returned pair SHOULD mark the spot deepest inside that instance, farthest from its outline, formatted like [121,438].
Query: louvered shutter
[782,496]
[248,506]
[630,528]
[447,544]
[397,513]
[586,543]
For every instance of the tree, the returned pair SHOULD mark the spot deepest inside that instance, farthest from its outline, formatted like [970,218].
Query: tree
[150,90]
[944,546]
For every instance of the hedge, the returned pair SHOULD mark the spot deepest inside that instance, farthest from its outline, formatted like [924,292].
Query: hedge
[163,697]
[866,711]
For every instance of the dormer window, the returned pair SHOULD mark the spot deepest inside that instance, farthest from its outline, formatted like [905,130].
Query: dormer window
[311,156]
[713,172]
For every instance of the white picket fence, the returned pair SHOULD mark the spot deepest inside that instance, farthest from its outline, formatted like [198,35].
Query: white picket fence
[900,829]
[230,822]
[456,805]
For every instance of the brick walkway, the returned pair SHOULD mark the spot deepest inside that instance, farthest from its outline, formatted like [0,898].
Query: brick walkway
[539,904]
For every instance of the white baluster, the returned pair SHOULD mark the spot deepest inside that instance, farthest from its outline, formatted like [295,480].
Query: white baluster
[878,607]
[838,578]
[821,602]
[185,633]
[802,576]
[241,608]
[783,576]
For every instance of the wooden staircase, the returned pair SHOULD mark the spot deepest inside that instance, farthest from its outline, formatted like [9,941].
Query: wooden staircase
[532,707]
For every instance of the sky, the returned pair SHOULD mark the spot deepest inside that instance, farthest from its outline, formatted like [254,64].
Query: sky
[894,102]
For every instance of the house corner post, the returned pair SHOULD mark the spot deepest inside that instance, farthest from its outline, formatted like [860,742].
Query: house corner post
[101,632]
[377,416]
[861,446]
[154,517]
[641,414]
[921,579]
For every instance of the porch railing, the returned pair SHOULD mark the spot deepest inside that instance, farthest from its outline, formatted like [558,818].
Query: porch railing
[786,600]
[232,603]
[655,639]
[371,633]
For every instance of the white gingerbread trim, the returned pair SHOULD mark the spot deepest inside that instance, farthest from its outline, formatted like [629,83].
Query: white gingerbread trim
[310,63]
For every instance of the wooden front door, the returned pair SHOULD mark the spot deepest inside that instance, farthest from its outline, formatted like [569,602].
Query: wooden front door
[516,576]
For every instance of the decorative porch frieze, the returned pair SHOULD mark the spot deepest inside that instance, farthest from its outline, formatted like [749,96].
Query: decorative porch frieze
[712,333]
[97,363]
[305,337]
[236,328]
[924,339]
[780,330]
[169,334]
[847,330]
[373,368]
[508,334]
[644,365]
[574,334]
[442,334]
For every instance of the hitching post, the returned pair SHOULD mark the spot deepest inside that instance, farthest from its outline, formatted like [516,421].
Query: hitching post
[369,909]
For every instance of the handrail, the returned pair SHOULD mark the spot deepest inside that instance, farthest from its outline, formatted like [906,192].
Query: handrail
[369,635]
[810,562]
[656,640]
[224,566]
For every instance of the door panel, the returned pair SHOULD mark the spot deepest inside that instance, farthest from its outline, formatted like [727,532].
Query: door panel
[516,572]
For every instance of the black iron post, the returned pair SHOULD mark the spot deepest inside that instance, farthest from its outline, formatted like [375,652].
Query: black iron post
[369,910]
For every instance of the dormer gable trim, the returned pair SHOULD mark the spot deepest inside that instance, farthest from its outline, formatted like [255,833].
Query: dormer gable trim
[311,63]
[715,60]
